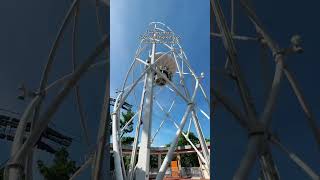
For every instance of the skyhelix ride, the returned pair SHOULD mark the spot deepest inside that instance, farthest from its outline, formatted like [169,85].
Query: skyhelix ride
[159,65]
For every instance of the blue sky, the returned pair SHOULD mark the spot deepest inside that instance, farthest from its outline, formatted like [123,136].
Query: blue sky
[130,19]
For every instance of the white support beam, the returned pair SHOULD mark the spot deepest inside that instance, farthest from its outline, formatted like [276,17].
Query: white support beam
[142,168]
[169,155]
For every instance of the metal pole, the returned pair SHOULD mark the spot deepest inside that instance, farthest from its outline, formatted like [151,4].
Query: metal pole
[83,123]
[267,164]
[136,138]
[14,172]
[101,141]
[142,171]
[44,79]
[305,167]
[200,156]
[255,143]
[231,51]
[174,142]
[194,115]
[81,169]
[232,17]
[115,141]
[254,147]
[304,105]
[186,137]
[159,161]
[53,107]
[68,76]
[200,136]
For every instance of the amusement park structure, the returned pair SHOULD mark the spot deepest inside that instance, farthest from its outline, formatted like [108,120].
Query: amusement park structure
[161,63]
[258,127]
[48,141]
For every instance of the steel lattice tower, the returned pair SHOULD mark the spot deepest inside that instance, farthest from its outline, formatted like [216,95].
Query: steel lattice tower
[162,64]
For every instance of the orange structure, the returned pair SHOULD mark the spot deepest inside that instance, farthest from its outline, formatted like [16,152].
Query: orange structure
[175,171]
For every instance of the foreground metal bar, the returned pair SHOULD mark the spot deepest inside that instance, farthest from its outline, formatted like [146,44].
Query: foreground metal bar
[258,131]
[67,76]
[231,51]
[255,142]
[268,167]
[82,167]
[304,167]
[18,157]
[235,37]
[56,44]
[248,160]
[252,151]
[102,133]
[305,107]
[16,173]
[77,87]
[44,79]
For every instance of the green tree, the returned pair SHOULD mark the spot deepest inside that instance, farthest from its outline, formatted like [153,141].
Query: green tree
[183,142]
[153,161]
[125,140]
[62,168]
[1,173]
[193,138]
[124,120]
[188,159]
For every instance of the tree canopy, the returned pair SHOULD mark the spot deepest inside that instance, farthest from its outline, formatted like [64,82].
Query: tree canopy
[124,120]
[189,159]
[62,168]
[1,173]
[125,140]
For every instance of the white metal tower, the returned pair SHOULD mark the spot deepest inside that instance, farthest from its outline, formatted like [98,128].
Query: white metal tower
[160,63]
